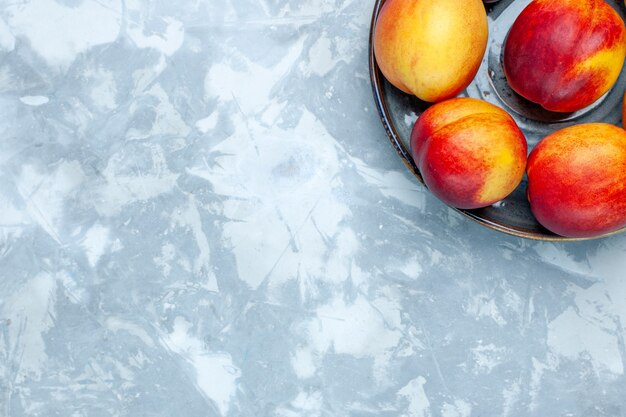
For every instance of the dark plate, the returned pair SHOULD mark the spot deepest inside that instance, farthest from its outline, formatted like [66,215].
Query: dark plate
[398,112]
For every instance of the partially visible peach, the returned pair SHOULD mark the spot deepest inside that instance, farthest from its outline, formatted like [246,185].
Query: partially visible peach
[470,153]
[431,48]
[565,54]
[577,180]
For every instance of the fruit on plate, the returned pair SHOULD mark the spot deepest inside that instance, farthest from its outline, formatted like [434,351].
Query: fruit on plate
[577,180]
[431,48]
[565,54]
[470,153]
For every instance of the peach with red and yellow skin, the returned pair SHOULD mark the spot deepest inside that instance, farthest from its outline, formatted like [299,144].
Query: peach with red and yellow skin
[577,180]
[470,153]
[431,48]
[565,54]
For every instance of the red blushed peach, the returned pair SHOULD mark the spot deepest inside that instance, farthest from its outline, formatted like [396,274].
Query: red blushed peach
[470,153]
[565,54]
[577,180]
[431,48]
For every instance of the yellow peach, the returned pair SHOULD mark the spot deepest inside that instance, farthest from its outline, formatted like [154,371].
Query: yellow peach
[431,48]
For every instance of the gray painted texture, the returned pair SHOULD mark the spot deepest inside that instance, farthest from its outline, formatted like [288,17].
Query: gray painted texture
[200,215]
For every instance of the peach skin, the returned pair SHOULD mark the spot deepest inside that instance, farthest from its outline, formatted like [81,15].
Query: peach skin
[431,48]
[470,153]
[565,54]
[577,180]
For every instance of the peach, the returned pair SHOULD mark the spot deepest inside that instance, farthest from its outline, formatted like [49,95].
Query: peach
[470,153]
[577,180]
[431,48]
[565,54]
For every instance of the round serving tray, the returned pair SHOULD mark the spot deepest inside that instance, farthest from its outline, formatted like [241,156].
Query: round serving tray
[398,112]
